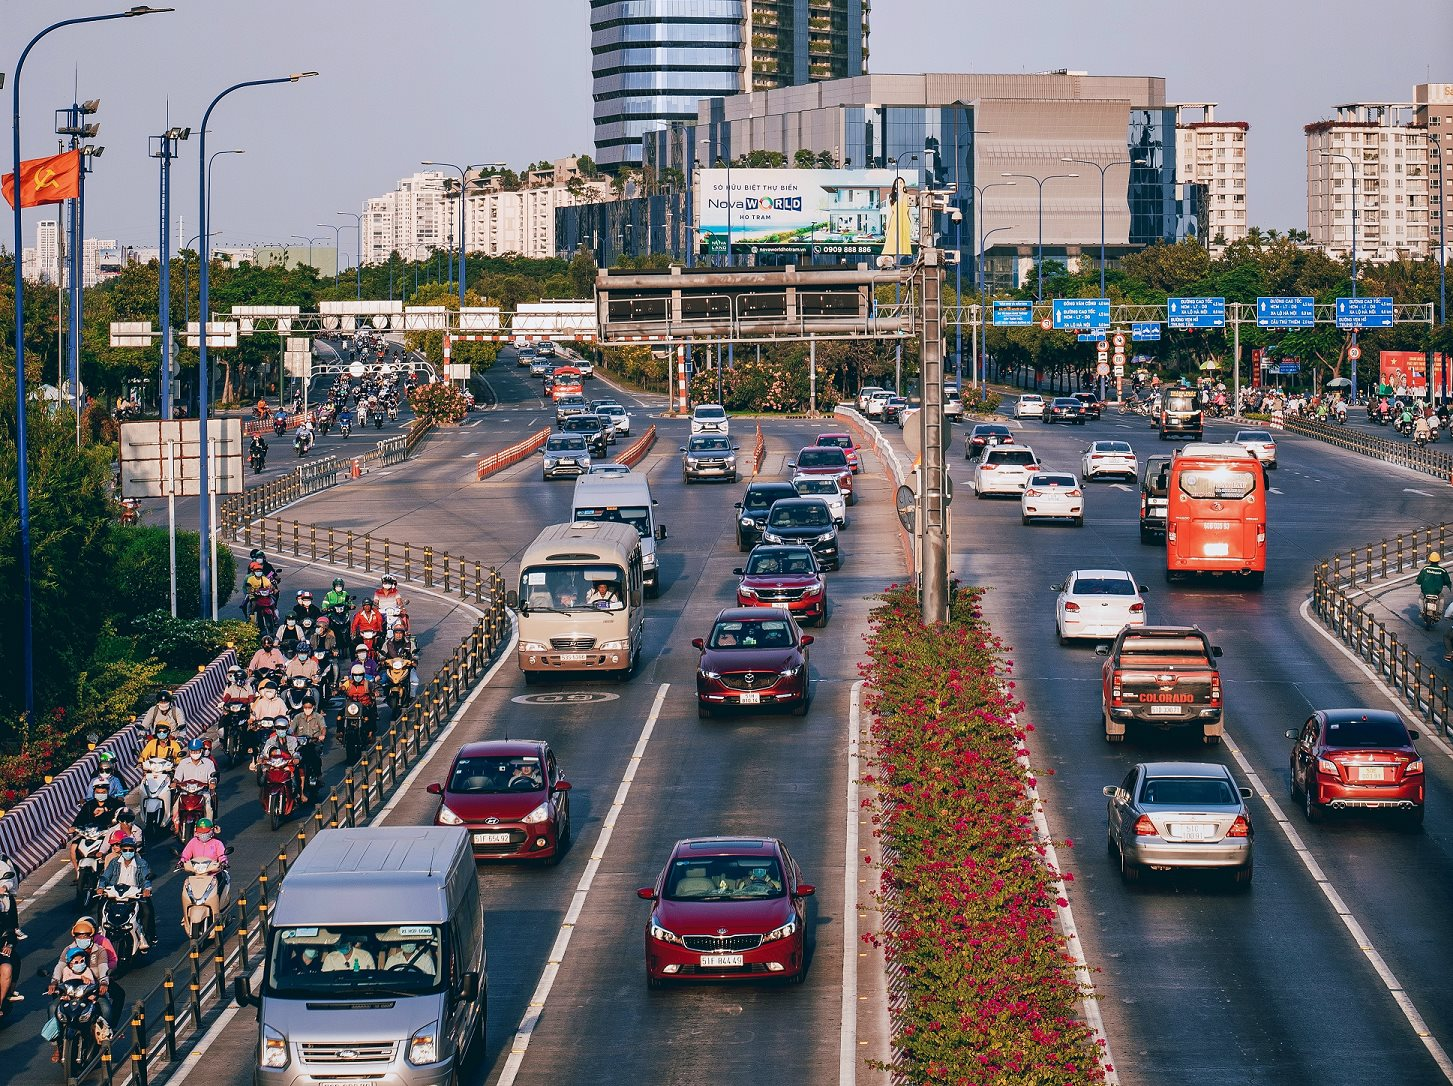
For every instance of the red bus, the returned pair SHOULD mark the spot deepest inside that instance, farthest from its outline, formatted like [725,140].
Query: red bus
[1216,513]
[567,382]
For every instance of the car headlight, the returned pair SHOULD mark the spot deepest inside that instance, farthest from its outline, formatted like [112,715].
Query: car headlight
[743,590]
[663,935]
[274,1049]
[769,536]
[424,1045]
[826,536]
[789,672]
[816,586]
[539,814]
[732,461]
[748,522]
[613,646]
[709,674]
[789,928]
[448,817]
[533,646]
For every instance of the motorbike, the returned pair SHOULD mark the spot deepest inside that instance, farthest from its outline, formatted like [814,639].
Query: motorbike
[90,849]
[156,797]
[325,423]
[1433,429]
[121,921]
[1431,610]
[357,728]
[1403,426]
[204,898]
[279,788]
[130,511]
[393,412]
[310,762]
[262,609]
[327,674]
[258,457]
[397,674]
[303,444]
[298,689]
[233,727]
[192,804]
[279,424]
[288,635]
[345,427]
[76,1013]
[378,420]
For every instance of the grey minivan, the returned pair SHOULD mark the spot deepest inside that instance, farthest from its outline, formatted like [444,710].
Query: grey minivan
[374,969]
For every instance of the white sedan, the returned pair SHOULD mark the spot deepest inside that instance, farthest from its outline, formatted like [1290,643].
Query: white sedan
[1029,406]
[1053,495]
[1097,603]
[1260,444]
[829,490]
[1109,458]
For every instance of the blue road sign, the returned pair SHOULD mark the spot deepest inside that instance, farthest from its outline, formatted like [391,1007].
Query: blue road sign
[1288,367]
[1286,312]
[1144,330]
[1013,314]
[1196,312]
[1364,312]
[1091,337]
[1091,313]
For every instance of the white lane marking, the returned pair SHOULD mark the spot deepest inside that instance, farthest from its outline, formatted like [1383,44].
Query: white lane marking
[1274,490]
[848,1032]
[1359,936]
[209,1038]
[536,1009]
[1121,486]
[1414,490]
[46,886]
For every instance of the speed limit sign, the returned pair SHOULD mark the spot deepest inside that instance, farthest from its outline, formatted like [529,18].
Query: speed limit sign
[1354,353]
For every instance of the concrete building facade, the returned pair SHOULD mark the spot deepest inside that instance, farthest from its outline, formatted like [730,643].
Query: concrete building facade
[1211,154]
[1433,111]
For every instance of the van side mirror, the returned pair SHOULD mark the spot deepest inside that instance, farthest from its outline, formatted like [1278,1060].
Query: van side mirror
[1412,734]
[646,893]
[241,992]
[660,531]
[1056,588]
[1141,589]
[435,789]
[806,889]
[807,639]
[512,599]
[469,987]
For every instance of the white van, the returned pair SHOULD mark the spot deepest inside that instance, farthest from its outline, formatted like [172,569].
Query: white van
[374,969]
[623,499]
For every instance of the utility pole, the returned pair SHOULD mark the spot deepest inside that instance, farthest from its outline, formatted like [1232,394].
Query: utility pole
[932,496]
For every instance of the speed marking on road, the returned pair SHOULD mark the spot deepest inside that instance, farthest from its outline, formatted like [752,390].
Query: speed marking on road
[579,697]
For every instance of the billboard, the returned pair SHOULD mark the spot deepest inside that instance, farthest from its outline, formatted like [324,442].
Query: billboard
[846,214]
[1407,371]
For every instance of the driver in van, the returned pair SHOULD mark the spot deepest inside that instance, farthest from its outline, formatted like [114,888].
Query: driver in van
[411,955]
[603,597]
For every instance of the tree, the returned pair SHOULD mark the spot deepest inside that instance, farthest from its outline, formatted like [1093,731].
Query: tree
[804,159]
[582,274]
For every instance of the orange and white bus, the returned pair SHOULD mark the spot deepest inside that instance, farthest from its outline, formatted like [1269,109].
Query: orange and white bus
[1216,513]
[567,382]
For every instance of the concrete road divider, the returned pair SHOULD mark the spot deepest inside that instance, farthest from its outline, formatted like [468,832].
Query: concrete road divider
[488,465]
[636,451]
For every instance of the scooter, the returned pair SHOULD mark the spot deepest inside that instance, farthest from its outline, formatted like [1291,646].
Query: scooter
[357,722]
[397,673]
[1431,610]
[327,673]
[299,688]
[378,420]
[90,844]
[258,458]
[121,921]
[204,898]
[303,444]
[233,727]
[263,610]
[279,424]
[310,763]
[345,427]
[130,511]
[279,788]
[76,1013]
[192,804]
[156,797]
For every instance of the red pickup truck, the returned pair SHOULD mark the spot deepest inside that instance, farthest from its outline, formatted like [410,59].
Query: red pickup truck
[1163,677]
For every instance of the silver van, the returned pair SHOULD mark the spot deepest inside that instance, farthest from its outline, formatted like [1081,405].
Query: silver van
[623,499]
[374,969]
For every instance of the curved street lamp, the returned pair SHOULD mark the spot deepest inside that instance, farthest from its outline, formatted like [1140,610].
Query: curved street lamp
[1039,250]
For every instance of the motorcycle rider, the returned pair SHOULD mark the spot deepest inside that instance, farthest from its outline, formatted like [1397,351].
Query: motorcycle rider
[304,437]
[273,573]
[268,706]
[267,657]
[302,664]
[129,870]
[108,774]
[368,618]
[400,646]
[164,712]
[1421,430]
[97,813]
[364,656]
[258,585]
[324,639]
[357,687]
[196,766]
[387,599]
[125,827]
[257,449]
[312,726]
[306,608]
[1433,578]
[161,745]
[84,960]
[288,636]
[206,845]
[337,596]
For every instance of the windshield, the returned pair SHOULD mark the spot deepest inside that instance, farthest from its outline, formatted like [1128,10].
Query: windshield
[637,516]
[793,562]
[1112,447]
[572,588]
[724,878]
[1253,435]
[565,444]
[1011,456]
[582,424]
[710,413]
[489,776]
[1366,733]
[610,409]
[1217,483]
[1188,792]
[824,485]
[355,960]
[822,457]
[799,516]
[1182,400]
[763,498]
[835,441]
[709,444]
[766,633]
[1102,586]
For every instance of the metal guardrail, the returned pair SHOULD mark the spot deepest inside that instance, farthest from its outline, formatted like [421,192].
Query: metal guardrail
[1420,685]
[1427,460]
[759,452]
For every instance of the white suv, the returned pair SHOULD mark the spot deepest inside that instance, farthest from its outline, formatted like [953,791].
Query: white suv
[953,404]
[1029,406]
[877,402]
[1004,469]
[710,418]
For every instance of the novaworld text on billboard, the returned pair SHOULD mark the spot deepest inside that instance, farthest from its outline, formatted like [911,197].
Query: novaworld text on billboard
[847,213]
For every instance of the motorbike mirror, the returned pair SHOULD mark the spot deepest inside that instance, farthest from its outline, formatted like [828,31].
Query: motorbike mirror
[228,850]
[435,789]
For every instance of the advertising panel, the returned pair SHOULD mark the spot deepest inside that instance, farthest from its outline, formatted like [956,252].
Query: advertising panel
[1407,372]
[846,214]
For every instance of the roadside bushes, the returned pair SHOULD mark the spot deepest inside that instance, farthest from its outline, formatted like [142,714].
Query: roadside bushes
[441,402]
[192,642]
[990,995]
[141,577]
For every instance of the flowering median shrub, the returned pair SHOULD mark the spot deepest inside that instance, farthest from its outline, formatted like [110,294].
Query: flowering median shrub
[990,994]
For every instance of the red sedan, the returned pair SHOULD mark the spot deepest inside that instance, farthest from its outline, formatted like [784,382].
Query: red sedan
[786,577]
[845,443]
[826,460]
[754,656]
[512,798]
[1347,758]
[727,908]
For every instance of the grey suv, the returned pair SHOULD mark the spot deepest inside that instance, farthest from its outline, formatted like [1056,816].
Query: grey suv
[709,456]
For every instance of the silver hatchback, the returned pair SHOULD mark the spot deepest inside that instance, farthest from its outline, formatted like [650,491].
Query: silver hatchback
[1171,815]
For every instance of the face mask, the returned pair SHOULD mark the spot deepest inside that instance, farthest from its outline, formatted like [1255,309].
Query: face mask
[128,855]
[310,955]
[78,966]
[84,942]
[204,836]
[100,797]
[196,755]
[407,948]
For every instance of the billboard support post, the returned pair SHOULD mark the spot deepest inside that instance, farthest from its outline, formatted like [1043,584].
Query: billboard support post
[811,378]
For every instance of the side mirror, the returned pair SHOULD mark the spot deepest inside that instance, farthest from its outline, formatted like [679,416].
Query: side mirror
[1056,588]
[807,639]
[1216,650]
[698,643]
[1142,589]
[1412,734]
[736,448]
[435,789]
[806,889]
[660,531]
[241,992]
[469,987]
[1289,734]
[682,449]
[1109,791]
[792,463]
[646,893]
[512,599]
[736,505]
[739,572]
[1246,793]
[1102,650]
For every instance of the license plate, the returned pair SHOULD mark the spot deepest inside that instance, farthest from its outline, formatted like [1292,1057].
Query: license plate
[491,838]
[574,657]
[1370,773]
[1193,831]
[1165,710]
[751,698]
[720,960]
[1217,550]
[353,1082]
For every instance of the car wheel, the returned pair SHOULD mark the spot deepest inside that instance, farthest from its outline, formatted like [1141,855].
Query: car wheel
[1060,634]
[1080,521]
[1310,807]
[1110,849]
[1024,519]
[798,977]
[800,709]
[743,545]
[1146,537]
[703,711]
[1295,787]
[1110,735]
[1129,870]
[1255,579]
[978,494]
[1241,877]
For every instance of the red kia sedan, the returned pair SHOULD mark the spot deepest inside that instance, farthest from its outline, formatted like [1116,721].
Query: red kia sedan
[512,798]
[1348,758]
[826,460]
[845,443]
[786,577]
[727,908]
[753,656]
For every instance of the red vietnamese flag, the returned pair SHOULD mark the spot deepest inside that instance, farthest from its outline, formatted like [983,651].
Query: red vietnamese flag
[45,180]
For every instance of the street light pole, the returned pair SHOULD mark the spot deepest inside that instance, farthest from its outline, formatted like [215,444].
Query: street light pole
[27,591]
[1352,168]
[983,369]
[897,261]
[1039,250]
[358,256]
[165,149]
[211,159]
[463,184]
[337,245]
[1102,169]
[979,191]
[204,388]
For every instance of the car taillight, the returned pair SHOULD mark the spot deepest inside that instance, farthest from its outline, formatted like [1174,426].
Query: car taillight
[1261,533]
[1072,607]
[1415,766]
[1215,690]
[1097,456]
[1144,827]
[986,467]
[1239,828]
[1137,608]
[1031,493]
[1115,688]
[1074,493]
[1329,767]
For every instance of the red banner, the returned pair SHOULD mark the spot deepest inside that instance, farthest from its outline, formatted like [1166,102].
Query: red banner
[1407,371]
[45,180]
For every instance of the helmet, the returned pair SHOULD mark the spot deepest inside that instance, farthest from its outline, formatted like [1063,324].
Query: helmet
[163,729]
[257,554]
[368,601]
[305,596]
[322,623]
[128,842]
[76,956]
[203,824]
[301,650]
[84,925]
[196,744]
[357,672]
[104,757]
[164,698]
[255,566]
[390,579]
[280,724]
[125,815]
[267,641]
[1434,557]
[310,698]
[234,672]
[338,583]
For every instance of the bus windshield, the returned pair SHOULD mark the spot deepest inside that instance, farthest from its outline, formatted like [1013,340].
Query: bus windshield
[637,516]
[564,587]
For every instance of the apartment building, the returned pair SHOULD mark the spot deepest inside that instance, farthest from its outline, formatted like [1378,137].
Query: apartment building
[1211,155]
[1433,111]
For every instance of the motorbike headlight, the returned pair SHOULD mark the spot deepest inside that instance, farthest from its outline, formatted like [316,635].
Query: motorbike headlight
[789,928]
[448,817]
[424,1045]
[664,935]
[533,646]
[539,814]
[613,646]
[274,1049]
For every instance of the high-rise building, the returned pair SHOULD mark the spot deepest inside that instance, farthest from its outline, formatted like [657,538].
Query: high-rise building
[49,260]
[1433,110]
[1367,181]
[1211,155]
[653,60]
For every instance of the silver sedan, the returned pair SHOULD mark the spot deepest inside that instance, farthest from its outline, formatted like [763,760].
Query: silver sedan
[1171,815]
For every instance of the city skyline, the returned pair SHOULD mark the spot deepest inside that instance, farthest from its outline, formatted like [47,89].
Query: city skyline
[328,144]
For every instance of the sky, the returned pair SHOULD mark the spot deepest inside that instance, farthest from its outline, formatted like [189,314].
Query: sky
[494,80]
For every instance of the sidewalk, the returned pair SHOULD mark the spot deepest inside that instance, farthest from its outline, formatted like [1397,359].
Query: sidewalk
[1395,602]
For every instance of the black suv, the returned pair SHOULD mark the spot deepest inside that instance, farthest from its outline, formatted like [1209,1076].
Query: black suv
[753,508]
[1091,402]
[1064,409]
[805,521]
[592,427]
